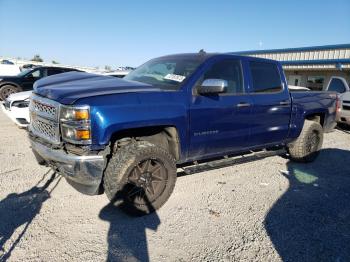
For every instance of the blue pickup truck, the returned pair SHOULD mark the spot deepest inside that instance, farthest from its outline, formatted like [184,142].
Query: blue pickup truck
[125,137]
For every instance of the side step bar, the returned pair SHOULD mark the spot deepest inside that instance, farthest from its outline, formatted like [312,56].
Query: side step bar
[228,161]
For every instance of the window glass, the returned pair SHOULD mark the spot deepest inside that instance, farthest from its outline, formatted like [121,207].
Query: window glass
[337,85]
[315,82]
[51,72]
[229,70]
[36,73]
[265,76]
[162,69]
[166,73]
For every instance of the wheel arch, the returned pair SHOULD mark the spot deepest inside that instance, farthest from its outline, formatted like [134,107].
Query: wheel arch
[316,117]
[165,136]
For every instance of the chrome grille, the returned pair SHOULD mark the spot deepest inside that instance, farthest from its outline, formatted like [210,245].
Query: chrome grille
[45,109]
[48,130]
[346,105]
[44,114]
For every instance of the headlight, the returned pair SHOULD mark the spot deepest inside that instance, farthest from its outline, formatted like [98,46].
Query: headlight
[75,124]
[21,104]
[75,113]
[75,134]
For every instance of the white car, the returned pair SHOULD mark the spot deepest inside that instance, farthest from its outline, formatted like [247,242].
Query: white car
[339,85]
[16,107]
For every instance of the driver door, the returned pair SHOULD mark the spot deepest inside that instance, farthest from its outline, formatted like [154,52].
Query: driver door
[220,122]
[30,78]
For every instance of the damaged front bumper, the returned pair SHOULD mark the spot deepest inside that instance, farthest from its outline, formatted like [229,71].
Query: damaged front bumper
[84,173]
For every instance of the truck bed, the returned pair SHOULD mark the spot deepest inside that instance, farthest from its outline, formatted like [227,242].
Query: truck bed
[314,102]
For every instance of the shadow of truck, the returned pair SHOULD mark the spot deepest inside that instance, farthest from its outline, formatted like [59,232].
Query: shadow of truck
[311,221]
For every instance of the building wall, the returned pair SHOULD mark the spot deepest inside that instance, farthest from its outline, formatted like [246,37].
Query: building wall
[305,75]
[306,64]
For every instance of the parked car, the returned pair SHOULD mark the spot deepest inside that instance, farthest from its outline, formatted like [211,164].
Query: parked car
[339,85]
[126,136]
[24,81]
[29,66]
[118,73]
[16,107]
[9,70]
[7,62]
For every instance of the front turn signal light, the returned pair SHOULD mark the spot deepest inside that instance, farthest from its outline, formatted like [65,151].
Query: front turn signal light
[83,134]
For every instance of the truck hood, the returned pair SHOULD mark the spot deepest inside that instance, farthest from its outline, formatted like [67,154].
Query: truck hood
[68,87]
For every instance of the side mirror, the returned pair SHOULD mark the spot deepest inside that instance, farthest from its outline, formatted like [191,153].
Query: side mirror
[213,86]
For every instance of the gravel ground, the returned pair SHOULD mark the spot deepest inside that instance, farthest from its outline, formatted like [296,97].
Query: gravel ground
[247,212]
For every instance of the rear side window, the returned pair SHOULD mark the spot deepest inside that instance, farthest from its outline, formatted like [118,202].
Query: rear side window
[51,72]
[337,85]
[265,77]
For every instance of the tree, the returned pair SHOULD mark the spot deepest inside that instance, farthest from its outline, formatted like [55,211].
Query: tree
[37,58]
[54,62]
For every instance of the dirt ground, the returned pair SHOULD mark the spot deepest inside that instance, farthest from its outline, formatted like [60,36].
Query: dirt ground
[267,210]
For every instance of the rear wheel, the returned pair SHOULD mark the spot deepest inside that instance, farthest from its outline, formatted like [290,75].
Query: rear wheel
[140,177]
[309,143]
[6,91]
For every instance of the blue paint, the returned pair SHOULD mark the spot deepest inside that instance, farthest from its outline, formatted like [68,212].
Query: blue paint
[207,126]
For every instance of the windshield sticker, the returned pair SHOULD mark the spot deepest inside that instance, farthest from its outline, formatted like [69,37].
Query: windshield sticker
[173,77]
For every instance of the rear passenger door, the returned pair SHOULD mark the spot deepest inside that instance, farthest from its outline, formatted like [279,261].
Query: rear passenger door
[54,71]
[271,103]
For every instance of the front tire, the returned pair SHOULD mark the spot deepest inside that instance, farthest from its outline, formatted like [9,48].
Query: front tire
[6,91]
[309,143]
[140,177]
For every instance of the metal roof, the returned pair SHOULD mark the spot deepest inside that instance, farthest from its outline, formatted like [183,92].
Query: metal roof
[296,49]
[316,62]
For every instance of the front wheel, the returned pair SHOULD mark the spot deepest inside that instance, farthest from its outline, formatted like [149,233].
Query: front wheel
[309,143]
[6,91]
[140,177]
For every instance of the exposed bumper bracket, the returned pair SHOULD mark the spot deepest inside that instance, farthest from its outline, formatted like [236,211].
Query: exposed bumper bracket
[84,173]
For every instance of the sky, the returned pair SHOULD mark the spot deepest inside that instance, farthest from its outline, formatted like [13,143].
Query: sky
[130,32]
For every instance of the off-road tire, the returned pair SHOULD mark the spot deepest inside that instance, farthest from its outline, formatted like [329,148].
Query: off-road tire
[123,162]
[6,90]
[309,143]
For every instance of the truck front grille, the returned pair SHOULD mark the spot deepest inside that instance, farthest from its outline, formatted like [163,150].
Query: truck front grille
[45,109]
[44,119]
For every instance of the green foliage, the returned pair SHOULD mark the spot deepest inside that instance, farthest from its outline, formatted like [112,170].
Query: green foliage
[37,58]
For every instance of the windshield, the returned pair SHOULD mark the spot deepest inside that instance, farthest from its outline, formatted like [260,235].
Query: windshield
[165,73]
[24,72]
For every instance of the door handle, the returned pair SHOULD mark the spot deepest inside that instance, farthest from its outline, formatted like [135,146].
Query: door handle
[285,103]
[242,104]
